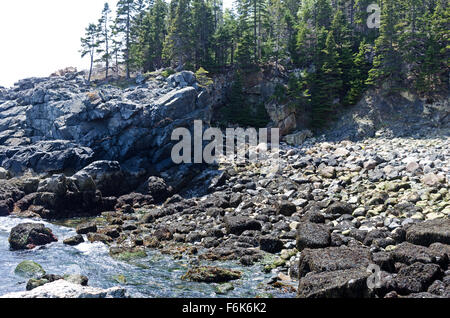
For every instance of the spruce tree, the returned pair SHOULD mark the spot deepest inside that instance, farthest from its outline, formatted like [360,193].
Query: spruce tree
[89,45]
[178,46]
[125,12]
[105,38]
[387,64]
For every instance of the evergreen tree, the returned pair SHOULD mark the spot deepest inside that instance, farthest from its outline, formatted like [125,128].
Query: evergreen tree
[388,62]
[125,12]
[178,46]
[105,38]
[89,45]
[202,32]
[358,75]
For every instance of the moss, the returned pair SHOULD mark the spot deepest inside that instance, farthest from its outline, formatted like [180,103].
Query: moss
[224,289]
[29,269]
[167,72]
[127,254]
[121,279]
[209,274]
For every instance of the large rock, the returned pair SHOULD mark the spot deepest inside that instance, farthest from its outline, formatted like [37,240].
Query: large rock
[312,235]
[60,124]
[29,235]
[333,259]
[64,289]
[107,176]
[298,138]
[350,283]
[429,232]
[29,269]
[417,278]
[286,208]
[270,244]
[239,224]
[408,253]
[178,102]
[157,188]
[45,156]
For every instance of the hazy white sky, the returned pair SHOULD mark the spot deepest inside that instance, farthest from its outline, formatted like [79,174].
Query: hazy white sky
[38,37]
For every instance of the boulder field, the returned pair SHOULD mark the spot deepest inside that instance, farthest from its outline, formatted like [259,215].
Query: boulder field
[340,218]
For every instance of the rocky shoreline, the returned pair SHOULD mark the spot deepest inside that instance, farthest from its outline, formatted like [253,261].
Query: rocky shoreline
[335,217]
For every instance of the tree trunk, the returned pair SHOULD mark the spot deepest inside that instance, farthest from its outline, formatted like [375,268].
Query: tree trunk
[127,50]
[91,67]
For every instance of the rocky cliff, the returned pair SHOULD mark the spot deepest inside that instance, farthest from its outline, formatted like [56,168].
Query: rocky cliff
[61,124]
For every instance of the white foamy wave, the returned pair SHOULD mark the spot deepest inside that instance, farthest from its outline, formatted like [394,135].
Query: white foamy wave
[92,248]
[7,223]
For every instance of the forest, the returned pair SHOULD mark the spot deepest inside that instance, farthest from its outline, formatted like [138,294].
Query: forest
[334,49]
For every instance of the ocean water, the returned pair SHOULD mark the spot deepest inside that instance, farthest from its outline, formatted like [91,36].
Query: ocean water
[155,276]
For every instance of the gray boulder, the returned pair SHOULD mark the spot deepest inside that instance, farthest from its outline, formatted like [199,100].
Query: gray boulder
[333,259]
[239,224]
[429,232]
[29,235]
[312,235]
[350,283]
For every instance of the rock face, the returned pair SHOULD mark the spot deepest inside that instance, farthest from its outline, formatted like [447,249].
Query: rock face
[378,110]
[64,289]
[29,235]
[59,123]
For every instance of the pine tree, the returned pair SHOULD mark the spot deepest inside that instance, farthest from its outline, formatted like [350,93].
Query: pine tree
[89,45]
[358,75]
[388,62]
[125,12]
[178,46]
[105,38]
[202,31]
[224,40]
[116,48]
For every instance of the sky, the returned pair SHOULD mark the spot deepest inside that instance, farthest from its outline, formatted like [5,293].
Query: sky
[39,37]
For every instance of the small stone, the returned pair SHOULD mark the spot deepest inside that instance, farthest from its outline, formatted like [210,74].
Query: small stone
[224,289]
[86,228]
[286,208]
[208,274]
[74,240]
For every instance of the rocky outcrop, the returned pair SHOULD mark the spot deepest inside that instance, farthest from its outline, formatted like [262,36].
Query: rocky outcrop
[402,114]
[59,123]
